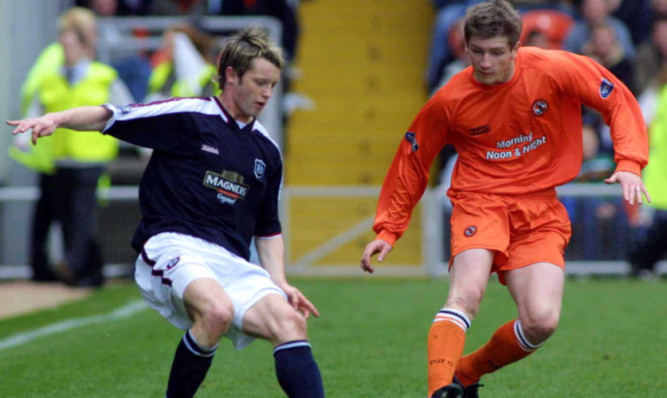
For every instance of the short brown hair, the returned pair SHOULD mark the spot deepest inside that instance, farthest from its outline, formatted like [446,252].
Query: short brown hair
[243,47]
[491,19]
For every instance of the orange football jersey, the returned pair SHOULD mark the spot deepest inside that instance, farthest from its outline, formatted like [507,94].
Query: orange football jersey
[518,137]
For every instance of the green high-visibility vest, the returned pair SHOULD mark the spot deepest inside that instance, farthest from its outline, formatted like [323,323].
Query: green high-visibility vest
[162,80]
[49,61]
[655,173]
[57,95]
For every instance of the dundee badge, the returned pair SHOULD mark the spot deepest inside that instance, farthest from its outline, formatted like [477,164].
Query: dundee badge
[260,167]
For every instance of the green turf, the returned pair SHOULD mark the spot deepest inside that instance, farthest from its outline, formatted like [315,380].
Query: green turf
[370,341]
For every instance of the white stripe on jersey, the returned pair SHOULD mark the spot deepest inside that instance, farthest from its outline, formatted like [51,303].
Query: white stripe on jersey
[206,106]
[260,127]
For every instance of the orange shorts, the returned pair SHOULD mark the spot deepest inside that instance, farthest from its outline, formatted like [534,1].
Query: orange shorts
[521,229]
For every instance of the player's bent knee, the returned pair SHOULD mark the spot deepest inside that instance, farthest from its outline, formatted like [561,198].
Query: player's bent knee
[538,329]
[467,301]
[216,319]
[290,326]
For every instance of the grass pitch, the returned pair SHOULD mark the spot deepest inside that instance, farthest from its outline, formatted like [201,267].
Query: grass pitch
[370,341]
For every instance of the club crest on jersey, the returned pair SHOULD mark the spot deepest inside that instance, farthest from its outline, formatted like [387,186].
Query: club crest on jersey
[229,185]
[410,137]
[260,167]
[539,107]
[172,263]
[606,87]
[470,231]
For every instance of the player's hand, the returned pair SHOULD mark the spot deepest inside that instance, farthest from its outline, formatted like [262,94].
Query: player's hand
[299,302]
[373,248]
[40,126]
[632,186]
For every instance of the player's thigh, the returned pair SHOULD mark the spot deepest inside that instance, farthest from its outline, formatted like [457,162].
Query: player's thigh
[470,268]
[468,278]
[206,297]
[537,290]
[274,319]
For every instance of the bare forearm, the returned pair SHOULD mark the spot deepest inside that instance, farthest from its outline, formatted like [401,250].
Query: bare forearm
[271,252]
[86,118]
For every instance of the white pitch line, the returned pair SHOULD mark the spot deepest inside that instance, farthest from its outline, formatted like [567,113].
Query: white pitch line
[25,337]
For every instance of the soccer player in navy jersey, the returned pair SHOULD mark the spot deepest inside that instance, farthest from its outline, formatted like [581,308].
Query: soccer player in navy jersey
[212,184]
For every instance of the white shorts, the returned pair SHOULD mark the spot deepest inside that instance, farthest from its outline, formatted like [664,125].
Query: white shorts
[170,261]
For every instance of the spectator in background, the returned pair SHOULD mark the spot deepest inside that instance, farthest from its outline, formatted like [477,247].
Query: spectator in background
[278,9]
[133,69]
[527,5]
[117,7]
[659,9]
[604,48]
[652,243]
[536,38]
[184,65]
[594,12]
[448,13]
[636,15]
[456,44]
[651,69]
[554,25]
[175,7]
[71,163]
[601,222]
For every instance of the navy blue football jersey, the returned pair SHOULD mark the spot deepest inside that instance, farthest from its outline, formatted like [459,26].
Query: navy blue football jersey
[207,176]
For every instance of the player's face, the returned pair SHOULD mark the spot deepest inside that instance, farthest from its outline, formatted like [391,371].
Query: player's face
[492,59]
[254,89]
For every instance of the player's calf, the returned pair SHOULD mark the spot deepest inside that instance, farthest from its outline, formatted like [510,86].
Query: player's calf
[296,369]
[188,370]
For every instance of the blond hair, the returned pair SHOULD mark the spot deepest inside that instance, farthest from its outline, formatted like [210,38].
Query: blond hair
[243,47]
[81,21]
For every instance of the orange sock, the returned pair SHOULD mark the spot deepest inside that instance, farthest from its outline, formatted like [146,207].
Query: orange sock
[507,345]
[445,347]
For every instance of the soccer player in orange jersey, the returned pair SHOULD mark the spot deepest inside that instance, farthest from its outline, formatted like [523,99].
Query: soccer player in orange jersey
[514,118]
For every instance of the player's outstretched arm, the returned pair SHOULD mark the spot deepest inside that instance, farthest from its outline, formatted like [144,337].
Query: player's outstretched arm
[271,256]
[632,186]
[373,248]
[85,118]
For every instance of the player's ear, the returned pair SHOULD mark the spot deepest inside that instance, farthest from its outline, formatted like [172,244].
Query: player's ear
[230,75]
[514,50]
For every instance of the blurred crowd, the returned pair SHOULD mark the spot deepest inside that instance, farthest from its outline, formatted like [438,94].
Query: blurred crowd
[628,37]
[188,47]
